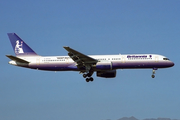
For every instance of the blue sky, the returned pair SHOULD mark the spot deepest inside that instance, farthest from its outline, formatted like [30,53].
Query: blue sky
[91,27]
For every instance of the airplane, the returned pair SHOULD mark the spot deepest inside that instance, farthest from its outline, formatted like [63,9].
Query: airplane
[104,65]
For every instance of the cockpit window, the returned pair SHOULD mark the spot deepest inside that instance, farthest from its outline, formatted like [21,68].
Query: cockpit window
[165,59]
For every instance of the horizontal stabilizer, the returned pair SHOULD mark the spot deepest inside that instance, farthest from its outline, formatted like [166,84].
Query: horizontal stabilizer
[17,59]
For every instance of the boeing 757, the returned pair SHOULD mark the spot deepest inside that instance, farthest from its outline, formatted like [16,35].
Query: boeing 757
[104,65]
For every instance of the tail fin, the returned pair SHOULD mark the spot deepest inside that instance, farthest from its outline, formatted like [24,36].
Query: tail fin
[19,46]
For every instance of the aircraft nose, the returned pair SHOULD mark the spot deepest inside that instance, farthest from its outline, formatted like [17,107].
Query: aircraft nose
[172,64]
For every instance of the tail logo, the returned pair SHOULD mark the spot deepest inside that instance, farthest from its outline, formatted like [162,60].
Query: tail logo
[19,47]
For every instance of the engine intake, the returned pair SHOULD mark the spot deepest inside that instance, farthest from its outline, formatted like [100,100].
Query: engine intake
[104,65]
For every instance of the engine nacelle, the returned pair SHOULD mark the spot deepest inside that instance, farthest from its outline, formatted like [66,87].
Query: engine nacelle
[104,65]
[106,74]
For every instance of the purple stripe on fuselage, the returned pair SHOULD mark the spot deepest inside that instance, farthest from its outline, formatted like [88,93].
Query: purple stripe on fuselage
[148,64]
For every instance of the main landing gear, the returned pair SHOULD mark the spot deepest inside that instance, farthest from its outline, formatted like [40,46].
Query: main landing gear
[89,73]
[153,73]
[89,77]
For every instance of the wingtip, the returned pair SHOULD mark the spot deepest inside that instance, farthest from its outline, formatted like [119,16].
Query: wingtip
[65,47]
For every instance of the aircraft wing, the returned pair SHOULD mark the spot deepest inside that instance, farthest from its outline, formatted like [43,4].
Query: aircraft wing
[17,59]
[79,58]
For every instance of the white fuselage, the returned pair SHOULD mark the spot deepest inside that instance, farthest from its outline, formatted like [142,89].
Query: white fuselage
[130,61]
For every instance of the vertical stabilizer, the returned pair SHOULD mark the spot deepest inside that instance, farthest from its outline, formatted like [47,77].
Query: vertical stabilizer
[19,46]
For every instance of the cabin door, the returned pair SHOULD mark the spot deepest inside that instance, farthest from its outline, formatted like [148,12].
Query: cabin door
[67,60]
[37,61]
[156,58]
[123,59]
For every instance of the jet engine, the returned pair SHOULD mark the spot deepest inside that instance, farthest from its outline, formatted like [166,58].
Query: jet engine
[106,74]
[104,65]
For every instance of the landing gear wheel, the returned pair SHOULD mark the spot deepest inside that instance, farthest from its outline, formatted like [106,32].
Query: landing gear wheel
[87,79]
[84,75]
[89,75]
[153,76]
[91,79]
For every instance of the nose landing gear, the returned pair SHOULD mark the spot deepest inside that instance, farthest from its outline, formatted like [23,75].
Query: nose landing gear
[153,73]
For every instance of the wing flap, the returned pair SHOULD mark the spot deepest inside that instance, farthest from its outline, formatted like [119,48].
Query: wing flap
[80,58]
[16,59]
